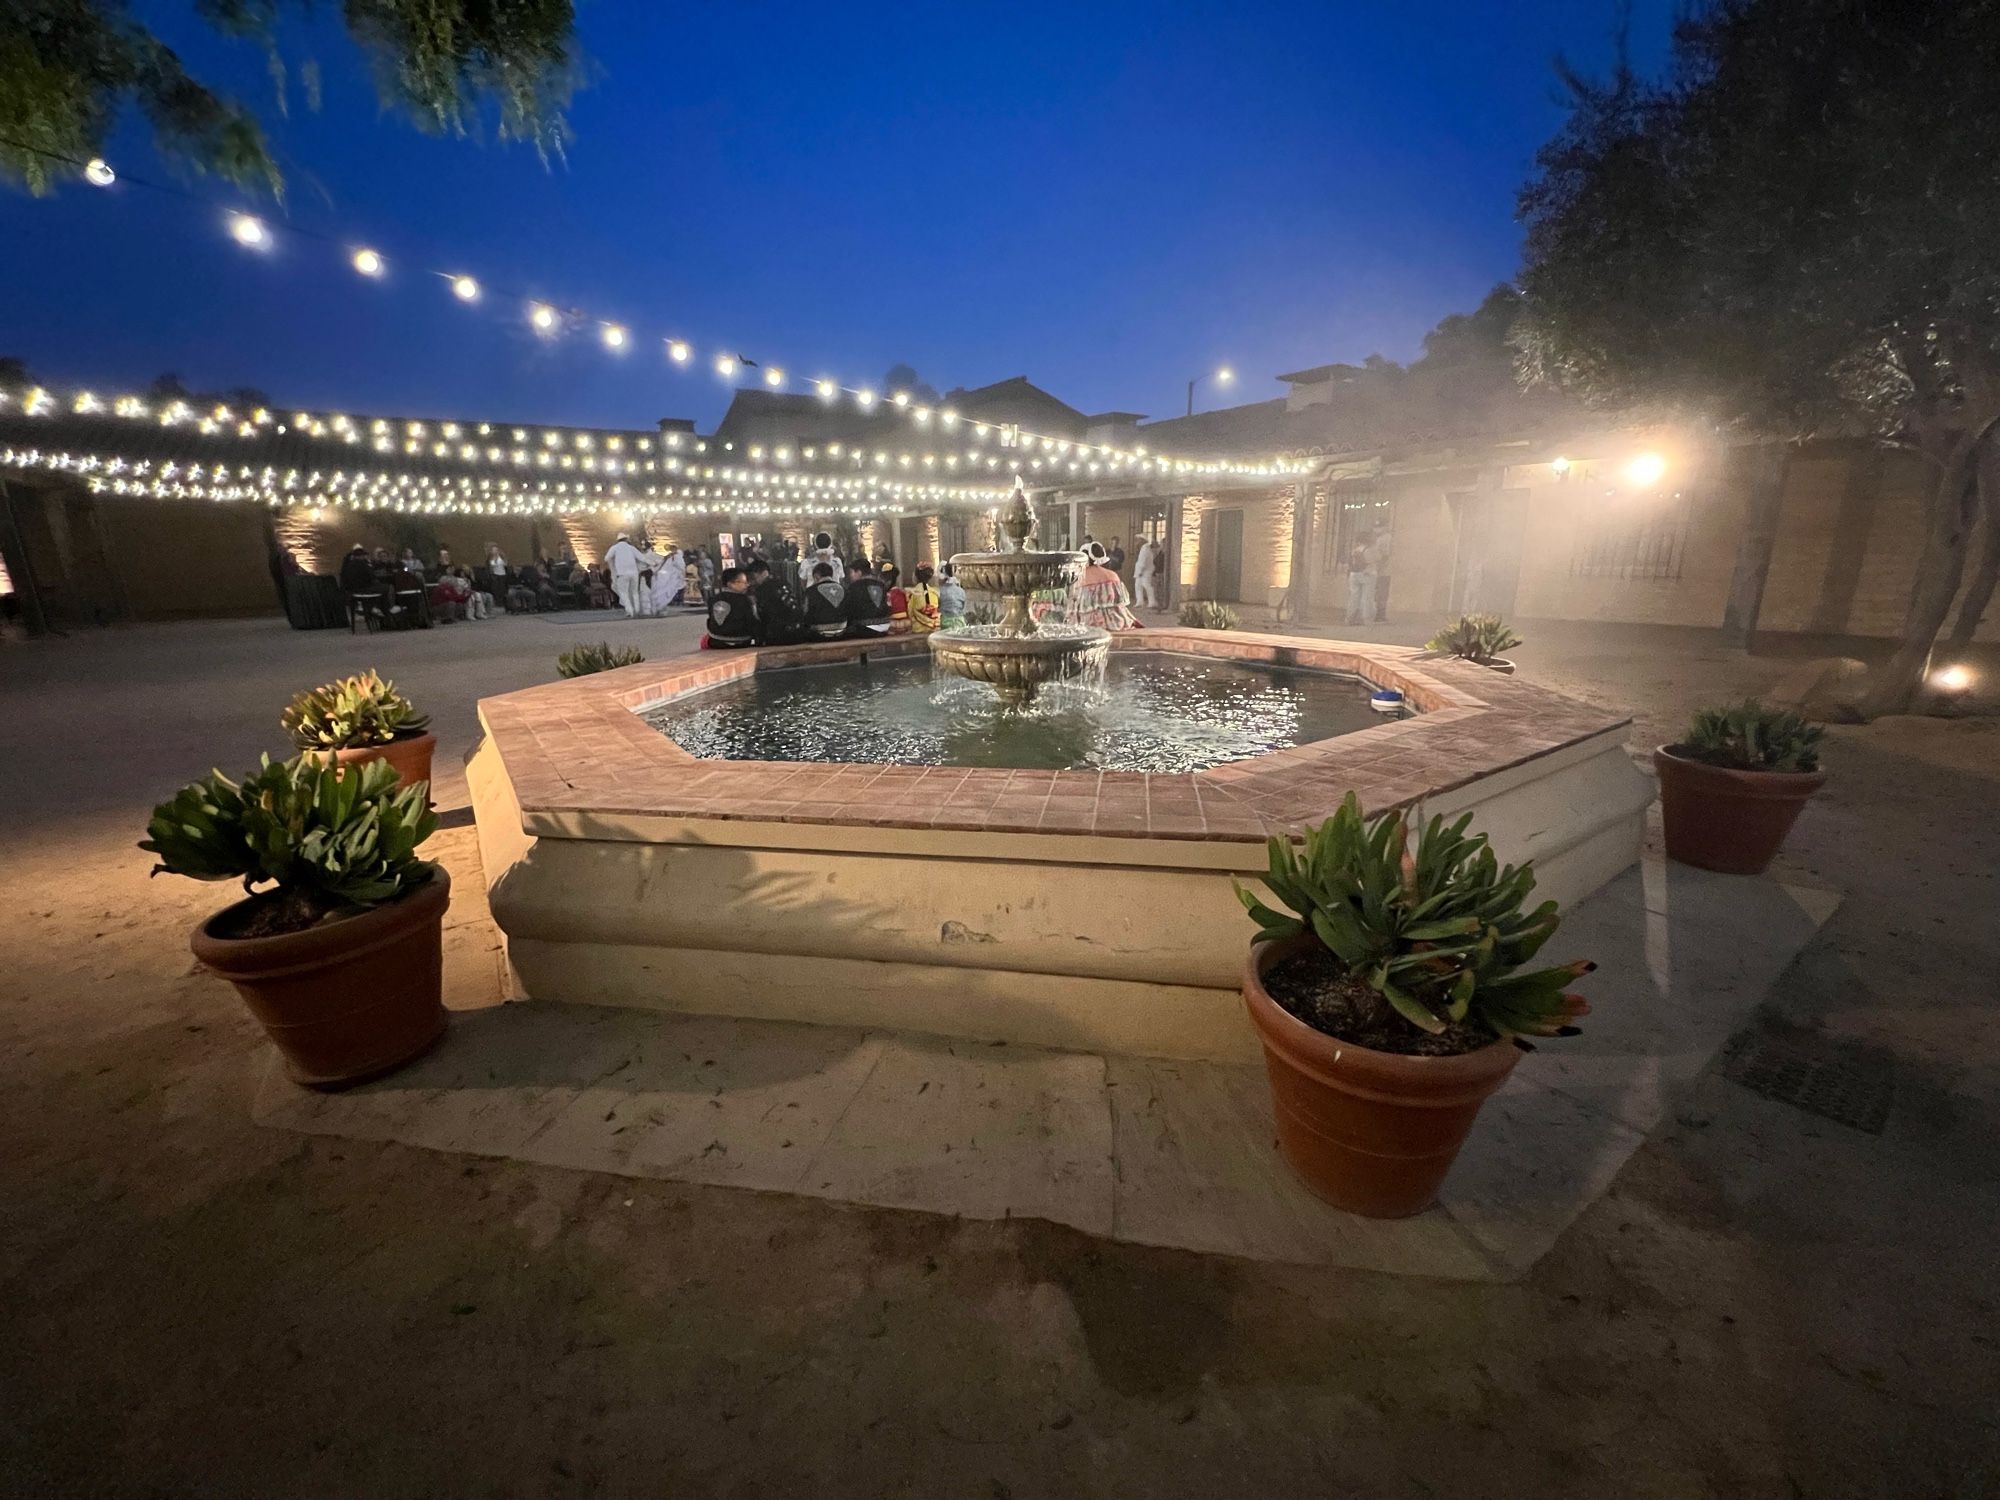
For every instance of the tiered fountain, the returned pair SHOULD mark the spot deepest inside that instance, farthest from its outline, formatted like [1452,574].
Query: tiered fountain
[1017,656]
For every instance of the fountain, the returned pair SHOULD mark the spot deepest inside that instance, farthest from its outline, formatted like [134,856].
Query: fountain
[1018,655]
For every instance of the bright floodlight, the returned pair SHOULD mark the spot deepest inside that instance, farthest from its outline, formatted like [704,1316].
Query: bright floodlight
[367,262]
[465,288]
[97,172]
[248,230]
[1955,678]
[1645,470]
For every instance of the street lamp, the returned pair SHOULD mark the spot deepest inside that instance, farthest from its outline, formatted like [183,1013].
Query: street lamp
[1221,377]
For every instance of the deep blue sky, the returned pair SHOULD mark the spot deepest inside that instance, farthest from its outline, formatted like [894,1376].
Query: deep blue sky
[1107,198]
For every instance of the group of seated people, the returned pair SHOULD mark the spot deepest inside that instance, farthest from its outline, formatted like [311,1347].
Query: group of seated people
[822,600]
[403,591]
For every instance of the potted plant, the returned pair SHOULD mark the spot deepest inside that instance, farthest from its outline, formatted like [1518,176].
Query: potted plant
[581,661]
[338,947]
[353,720]
[1476,638]
[1388,1000]
[1208,614]
[1731,789]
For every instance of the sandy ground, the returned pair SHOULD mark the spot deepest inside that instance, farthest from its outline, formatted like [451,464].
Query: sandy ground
[1767,1303]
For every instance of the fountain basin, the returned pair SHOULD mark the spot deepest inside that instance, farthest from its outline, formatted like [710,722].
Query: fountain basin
[1070,908]
[1016,666]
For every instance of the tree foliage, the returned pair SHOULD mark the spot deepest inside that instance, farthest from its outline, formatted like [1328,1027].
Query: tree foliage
[1795,231]
[68,67]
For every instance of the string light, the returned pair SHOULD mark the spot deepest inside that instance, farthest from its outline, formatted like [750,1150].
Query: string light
[774,377]
[367,262]
[614,336]
[677,351]
[465,288]
[97,172]
[542,316]
[827,389]
[249,231]
[725,365]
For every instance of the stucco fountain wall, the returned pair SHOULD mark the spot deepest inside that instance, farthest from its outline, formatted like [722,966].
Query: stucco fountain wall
[1077,909]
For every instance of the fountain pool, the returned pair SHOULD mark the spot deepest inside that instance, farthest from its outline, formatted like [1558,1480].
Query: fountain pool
[1075,905]
[1146,711]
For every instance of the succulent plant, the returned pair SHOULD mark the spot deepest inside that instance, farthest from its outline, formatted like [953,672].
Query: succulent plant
[1209,614]
[1437,933]
[324,837]
[1476,638]
[601,656]
[351,712]
[1752,737]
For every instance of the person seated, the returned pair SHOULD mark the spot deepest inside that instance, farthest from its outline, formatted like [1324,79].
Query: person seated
[1100,598]
[826,605]
[596,584]
[530,590]
[359,583]
[866,601]
[479,603]
[925,612]
[778,620]
[899,599]
[732,613]
[951,599]
[451,599]
[443,567]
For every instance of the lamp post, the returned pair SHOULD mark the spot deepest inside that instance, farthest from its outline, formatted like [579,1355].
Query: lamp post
[1221,377]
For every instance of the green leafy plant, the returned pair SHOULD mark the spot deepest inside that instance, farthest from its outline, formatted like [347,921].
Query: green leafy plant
[1476,638]
[326,840]
[1752,737]
[1436,933]
[600,656]
[1209,614]
[351,712]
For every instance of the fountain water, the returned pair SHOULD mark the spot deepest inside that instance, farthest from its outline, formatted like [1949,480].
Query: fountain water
[1017,656]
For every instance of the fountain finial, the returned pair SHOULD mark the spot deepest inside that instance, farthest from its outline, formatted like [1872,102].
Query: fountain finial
[1017,521]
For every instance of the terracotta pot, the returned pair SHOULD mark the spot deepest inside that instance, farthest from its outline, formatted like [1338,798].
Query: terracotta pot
[1371,1132]
[411,757]
[347,1000]
[1717,818]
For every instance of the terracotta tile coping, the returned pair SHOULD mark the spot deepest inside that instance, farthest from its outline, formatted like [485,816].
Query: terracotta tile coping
[579,746]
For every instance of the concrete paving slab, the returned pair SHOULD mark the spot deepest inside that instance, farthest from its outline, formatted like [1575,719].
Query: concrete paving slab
[1148,1150]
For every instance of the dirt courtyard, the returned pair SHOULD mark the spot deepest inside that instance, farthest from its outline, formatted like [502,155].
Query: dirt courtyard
[1767,1303]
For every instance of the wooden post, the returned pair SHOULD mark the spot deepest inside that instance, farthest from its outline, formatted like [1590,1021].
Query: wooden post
[1765,466]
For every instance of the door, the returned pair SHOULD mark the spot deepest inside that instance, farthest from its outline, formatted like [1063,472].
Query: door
[1486,564]
[1220,573]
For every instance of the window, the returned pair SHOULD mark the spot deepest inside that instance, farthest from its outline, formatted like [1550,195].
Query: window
[1350,514]
[1632,537]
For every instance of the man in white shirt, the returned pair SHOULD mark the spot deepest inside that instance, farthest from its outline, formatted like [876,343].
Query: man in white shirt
[1142,576]
[623,563]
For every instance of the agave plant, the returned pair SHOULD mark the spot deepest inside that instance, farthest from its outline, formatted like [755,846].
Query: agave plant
[602,656]
[1476,638]
[1209,614]
[324,839]
[1436,932]
[351,712]
[1752,737]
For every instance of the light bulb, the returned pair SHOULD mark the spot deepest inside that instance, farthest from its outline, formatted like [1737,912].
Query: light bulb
[677,351]
[465,288]
[864,398]
[614,336]
[901,398]
[827,389]
[542,316]
[1559,464]
[1224,375]
[725,364]
[367,262]
[1645,470]
[774,377]
[97,171]
[249,231]
[1955,678]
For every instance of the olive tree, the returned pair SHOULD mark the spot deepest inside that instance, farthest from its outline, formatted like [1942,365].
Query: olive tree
[1794,232]
[67,68]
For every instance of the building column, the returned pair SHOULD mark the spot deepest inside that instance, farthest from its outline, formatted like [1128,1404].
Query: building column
[1171,598]
[1300,583]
